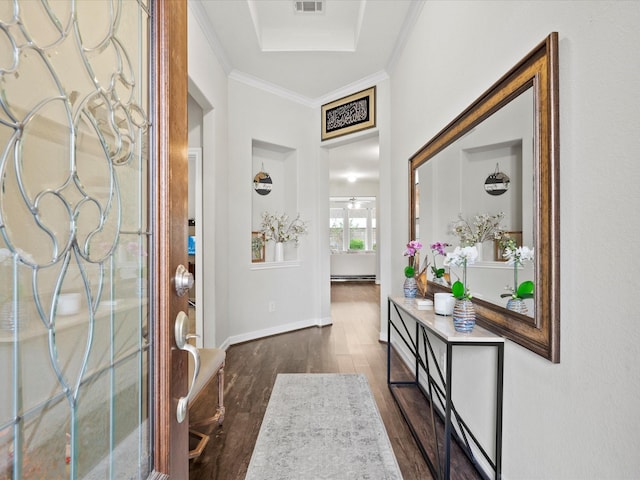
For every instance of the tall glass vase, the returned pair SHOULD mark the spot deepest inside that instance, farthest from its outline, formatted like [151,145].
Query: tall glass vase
[464,315]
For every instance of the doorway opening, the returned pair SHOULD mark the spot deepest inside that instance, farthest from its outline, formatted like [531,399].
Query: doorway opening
[353,239]
[354,185]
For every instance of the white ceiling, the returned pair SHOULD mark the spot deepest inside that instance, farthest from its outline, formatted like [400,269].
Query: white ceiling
[359,158]
[312,57]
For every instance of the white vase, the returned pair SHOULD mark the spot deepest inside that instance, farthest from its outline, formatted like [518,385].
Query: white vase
[479,248]
[279,257]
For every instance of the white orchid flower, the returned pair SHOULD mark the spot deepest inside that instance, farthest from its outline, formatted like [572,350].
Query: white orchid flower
[461,256]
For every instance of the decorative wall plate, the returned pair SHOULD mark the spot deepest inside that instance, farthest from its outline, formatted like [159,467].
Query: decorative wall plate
[262,183]
[497,183]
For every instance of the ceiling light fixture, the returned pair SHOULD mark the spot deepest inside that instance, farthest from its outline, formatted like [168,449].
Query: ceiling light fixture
[352,177]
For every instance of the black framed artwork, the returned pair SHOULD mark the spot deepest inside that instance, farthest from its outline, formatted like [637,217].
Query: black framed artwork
[349,114]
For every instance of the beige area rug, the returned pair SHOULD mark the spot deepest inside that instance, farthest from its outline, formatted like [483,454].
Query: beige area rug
[322,426]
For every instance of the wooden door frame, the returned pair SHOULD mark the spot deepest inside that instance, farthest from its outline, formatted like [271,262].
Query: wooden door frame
[169,188]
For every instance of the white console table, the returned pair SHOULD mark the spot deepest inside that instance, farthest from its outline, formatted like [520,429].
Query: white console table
[402,314]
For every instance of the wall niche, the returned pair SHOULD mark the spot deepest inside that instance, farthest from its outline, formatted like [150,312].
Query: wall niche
[281,164]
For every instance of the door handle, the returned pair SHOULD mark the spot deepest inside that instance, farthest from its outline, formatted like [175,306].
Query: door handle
[183,280]
[182,335]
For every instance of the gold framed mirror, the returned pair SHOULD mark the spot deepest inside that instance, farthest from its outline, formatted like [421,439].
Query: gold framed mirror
[518,118]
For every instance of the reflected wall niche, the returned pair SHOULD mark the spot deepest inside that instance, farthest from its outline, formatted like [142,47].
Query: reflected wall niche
[281,164]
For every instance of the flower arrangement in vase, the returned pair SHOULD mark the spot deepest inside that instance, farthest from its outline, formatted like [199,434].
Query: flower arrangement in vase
[516,256]
[439,274]
[277,227]
[484,227]
[410,286]
[464,315]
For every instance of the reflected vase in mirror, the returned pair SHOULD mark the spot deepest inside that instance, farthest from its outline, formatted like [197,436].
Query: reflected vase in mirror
[517,305]
[480,252]
[441,280]
[410,287]
[464,315]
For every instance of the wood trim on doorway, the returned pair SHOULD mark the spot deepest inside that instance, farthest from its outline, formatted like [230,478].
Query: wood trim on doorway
[169,189]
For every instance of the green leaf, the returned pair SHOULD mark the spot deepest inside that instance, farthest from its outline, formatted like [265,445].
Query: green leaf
[457,289]
[525,290]
[409,272]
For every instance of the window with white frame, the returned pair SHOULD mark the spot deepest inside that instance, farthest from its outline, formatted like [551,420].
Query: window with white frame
[352,224]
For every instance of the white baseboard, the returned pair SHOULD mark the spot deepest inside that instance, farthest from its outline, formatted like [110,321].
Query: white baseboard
[226,344]
[267,332]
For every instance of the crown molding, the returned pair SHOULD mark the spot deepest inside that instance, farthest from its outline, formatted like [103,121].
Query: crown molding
[261,84]
[352,87]
[201,16]
[356,86]
[409,22]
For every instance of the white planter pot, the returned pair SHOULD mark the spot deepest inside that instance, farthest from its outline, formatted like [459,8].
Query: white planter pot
[279,253]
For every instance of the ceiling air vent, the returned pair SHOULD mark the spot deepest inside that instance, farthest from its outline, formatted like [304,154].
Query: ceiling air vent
[308,6]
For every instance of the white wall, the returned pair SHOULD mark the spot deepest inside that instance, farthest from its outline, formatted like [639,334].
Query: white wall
[258,115]
[357,189]
[208,87]
[299,290]
[579,418]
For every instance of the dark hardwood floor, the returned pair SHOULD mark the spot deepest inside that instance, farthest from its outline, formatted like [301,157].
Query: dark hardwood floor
[350,345]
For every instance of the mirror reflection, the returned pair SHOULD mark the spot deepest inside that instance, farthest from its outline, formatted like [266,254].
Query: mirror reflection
[464,184]
[498,160]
